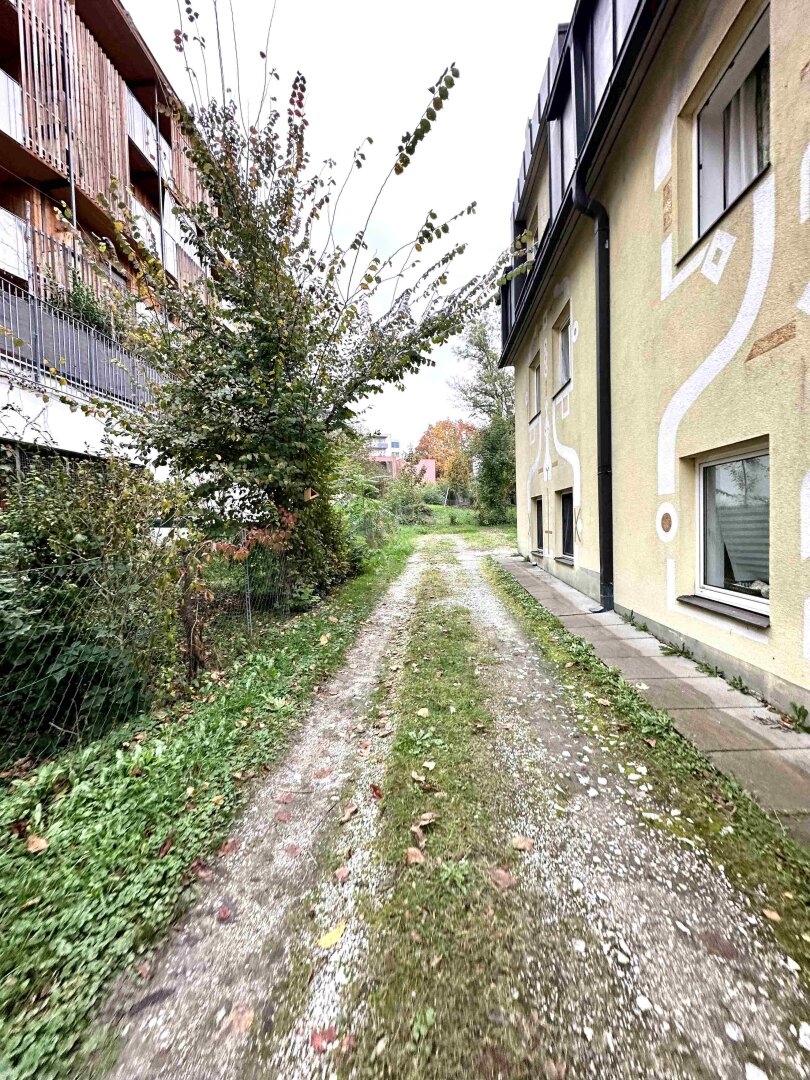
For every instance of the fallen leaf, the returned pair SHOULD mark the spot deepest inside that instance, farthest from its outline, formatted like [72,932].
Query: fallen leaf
[35,844]
[347,1044]
[423,712]
[321,774]
[331,939]
[322,1038]
[224,914]
[166,846]
[501,878]
[651,742]
[554,1070]
[284,799]
[428,818]
[429,765]
[570,664]
[603,701]
[230,847]
[292,849]
[376,791]
[522,843]
[418,835]
[342,873]
[237,775]
[325,639]
[241,1019]
[774,916]
[218,800]
[282,815]
[418,777]
[452,708]
[143,970]
[348,813]
[414,857]
[199,868]
[30,903]
[332,619]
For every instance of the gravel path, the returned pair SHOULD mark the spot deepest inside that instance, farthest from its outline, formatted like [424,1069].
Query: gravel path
[641,959]
[209,1006]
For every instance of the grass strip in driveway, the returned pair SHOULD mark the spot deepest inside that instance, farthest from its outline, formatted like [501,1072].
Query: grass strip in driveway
[755,851]
[443,942]
[99,846]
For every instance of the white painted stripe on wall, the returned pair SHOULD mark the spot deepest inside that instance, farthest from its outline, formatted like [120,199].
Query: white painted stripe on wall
[804,187]
[804,516]
[764,204]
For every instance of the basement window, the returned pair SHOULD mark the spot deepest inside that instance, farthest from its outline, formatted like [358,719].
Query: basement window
[734,128]
[567,520]
[735,502]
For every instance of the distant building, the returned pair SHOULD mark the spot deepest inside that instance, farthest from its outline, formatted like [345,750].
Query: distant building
[385,446]
[393,466]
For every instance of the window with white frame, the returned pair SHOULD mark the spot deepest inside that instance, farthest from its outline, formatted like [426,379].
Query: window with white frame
[734,127]
[735,501]
[564,352]
[536,390]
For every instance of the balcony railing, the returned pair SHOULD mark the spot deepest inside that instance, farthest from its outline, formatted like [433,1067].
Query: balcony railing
[55,351]
[141,129]
[11,107]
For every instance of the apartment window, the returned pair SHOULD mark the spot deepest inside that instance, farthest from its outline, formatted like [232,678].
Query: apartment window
[735,529]
[538,514]
[536,386]
[734,127]
[567,521]
[564,351]
[599,53]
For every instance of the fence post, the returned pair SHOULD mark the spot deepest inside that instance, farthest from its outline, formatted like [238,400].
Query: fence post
[248,606]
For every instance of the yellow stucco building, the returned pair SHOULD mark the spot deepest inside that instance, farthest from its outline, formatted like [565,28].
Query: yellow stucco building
[660,327]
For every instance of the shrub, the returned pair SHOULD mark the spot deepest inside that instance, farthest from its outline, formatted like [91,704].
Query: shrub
[405,498]
[495,450]
[88,600]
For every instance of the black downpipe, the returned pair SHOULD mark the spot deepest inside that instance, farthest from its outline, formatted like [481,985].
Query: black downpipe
[593,209]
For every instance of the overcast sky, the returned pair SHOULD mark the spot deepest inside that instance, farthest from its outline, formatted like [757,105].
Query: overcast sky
[368,66]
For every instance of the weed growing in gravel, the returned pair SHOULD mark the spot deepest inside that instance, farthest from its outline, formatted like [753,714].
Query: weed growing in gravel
[100,845]
[754,849]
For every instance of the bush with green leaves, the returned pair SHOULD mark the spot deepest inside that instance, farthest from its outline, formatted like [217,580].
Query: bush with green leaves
[88,600]
[495,482]
[405,498]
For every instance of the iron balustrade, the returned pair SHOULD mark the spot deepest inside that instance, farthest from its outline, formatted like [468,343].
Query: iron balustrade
[58,352]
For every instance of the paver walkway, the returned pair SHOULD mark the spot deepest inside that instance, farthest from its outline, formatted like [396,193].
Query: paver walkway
[741,735]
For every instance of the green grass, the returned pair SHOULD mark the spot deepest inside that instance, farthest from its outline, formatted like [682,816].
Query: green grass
[126,816]
[752,846]
[442,945]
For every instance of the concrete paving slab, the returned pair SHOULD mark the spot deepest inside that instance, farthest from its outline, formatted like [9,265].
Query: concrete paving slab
[610,650]
[734,729]
[693,694]
[778,779]
[595,632]
[644,668]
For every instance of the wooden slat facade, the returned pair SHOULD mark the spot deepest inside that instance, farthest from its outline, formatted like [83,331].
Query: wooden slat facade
[74,98]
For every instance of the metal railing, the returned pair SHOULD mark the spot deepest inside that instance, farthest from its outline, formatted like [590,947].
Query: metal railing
[56,351]
[141,129]
[11,107]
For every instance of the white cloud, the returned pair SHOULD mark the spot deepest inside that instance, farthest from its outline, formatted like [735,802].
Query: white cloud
[368,67]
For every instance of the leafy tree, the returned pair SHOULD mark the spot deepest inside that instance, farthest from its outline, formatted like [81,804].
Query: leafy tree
[495,479]
[449,443]
[261,363]
[488,391]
